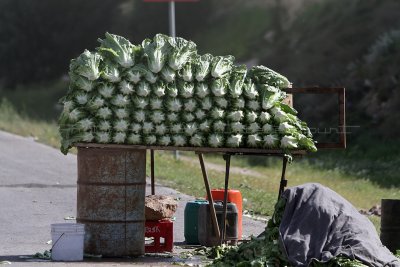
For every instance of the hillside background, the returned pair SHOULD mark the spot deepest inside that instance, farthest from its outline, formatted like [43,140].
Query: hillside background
[347,43]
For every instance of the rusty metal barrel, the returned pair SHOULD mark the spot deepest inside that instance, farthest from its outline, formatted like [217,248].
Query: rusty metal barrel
[390,224]
[110,200]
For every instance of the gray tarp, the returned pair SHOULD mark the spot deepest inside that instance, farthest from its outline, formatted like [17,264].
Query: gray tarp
[320,224]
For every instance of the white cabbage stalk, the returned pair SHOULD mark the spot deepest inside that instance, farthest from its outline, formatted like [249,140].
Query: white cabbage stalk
[179,140]
[215,140]
[165,140]
[106,90]
[204,126]
[253,128]
[88,137]
[161,129]
[104,126]
[133,76]
[206,103]
[188,117]
[196,140]
[275,110]
[176,128]
[136,127]
[250,91]
[85,124]
[96,103]
[148,127]
[218,87]
[121,113]
[253,140]
[104,113]
[237,127]
[190,129]
[202,90]
[157,117]
[289,141]
[253,105]
[141,103]
[174,105]
[267,128]
[234,140]
[68,106]
[156,103]
[111,74]
[217,113]
[186,72]
[172,117]
[103,137]
[264,117]
[190,105]
[125,88]
[121,125]
[200,114]
[151,139]
[134,139]
[150,77]
[143,89]
[172,90]
[159,89]
[221,102]
[251,116]
[219,126]
[239,103]
[139,116]
[235,115]
[280,116]
[82,83]
[168,74]
[120,100]
[81,99]
[286,128]
[271,140]
[119,137]
[187,90]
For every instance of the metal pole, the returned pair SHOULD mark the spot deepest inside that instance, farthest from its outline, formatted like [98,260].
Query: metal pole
[172,33]
[172,19]
[153,190]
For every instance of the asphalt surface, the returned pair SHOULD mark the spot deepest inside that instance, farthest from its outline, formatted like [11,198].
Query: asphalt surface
[38,188]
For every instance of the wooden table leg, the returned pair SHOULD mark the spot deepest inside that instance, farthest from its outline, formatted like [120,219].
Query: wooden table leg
[227,158]
[153,190]
[283,182]
[210,198]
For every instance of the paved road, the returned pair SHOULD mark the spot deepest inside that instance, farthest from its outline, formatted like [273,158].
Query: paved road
[38,188]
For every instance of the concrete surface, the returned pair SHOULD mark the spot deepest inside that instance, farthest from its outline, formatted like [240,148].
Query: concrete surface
[38,188]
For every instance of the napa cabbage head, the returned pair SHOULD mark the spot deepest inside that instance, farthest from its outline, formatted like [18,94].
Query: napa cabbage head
[182,52]
[156,52]
[87,65]
[118,49]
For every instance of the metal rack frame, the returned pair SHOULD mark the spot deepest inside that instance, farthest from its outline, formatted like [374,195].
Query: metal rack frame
[228,152]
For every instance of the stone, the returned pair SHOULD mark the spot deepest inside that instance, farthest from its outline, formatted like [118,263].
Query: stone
[159,207]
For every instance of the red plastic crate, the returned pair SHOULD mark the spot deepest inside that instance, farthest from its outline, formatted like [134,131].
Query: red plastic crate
[162,233]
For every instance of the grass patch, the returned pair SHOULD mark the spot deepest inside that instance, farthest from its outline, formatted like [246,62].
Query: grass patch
[14,122]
